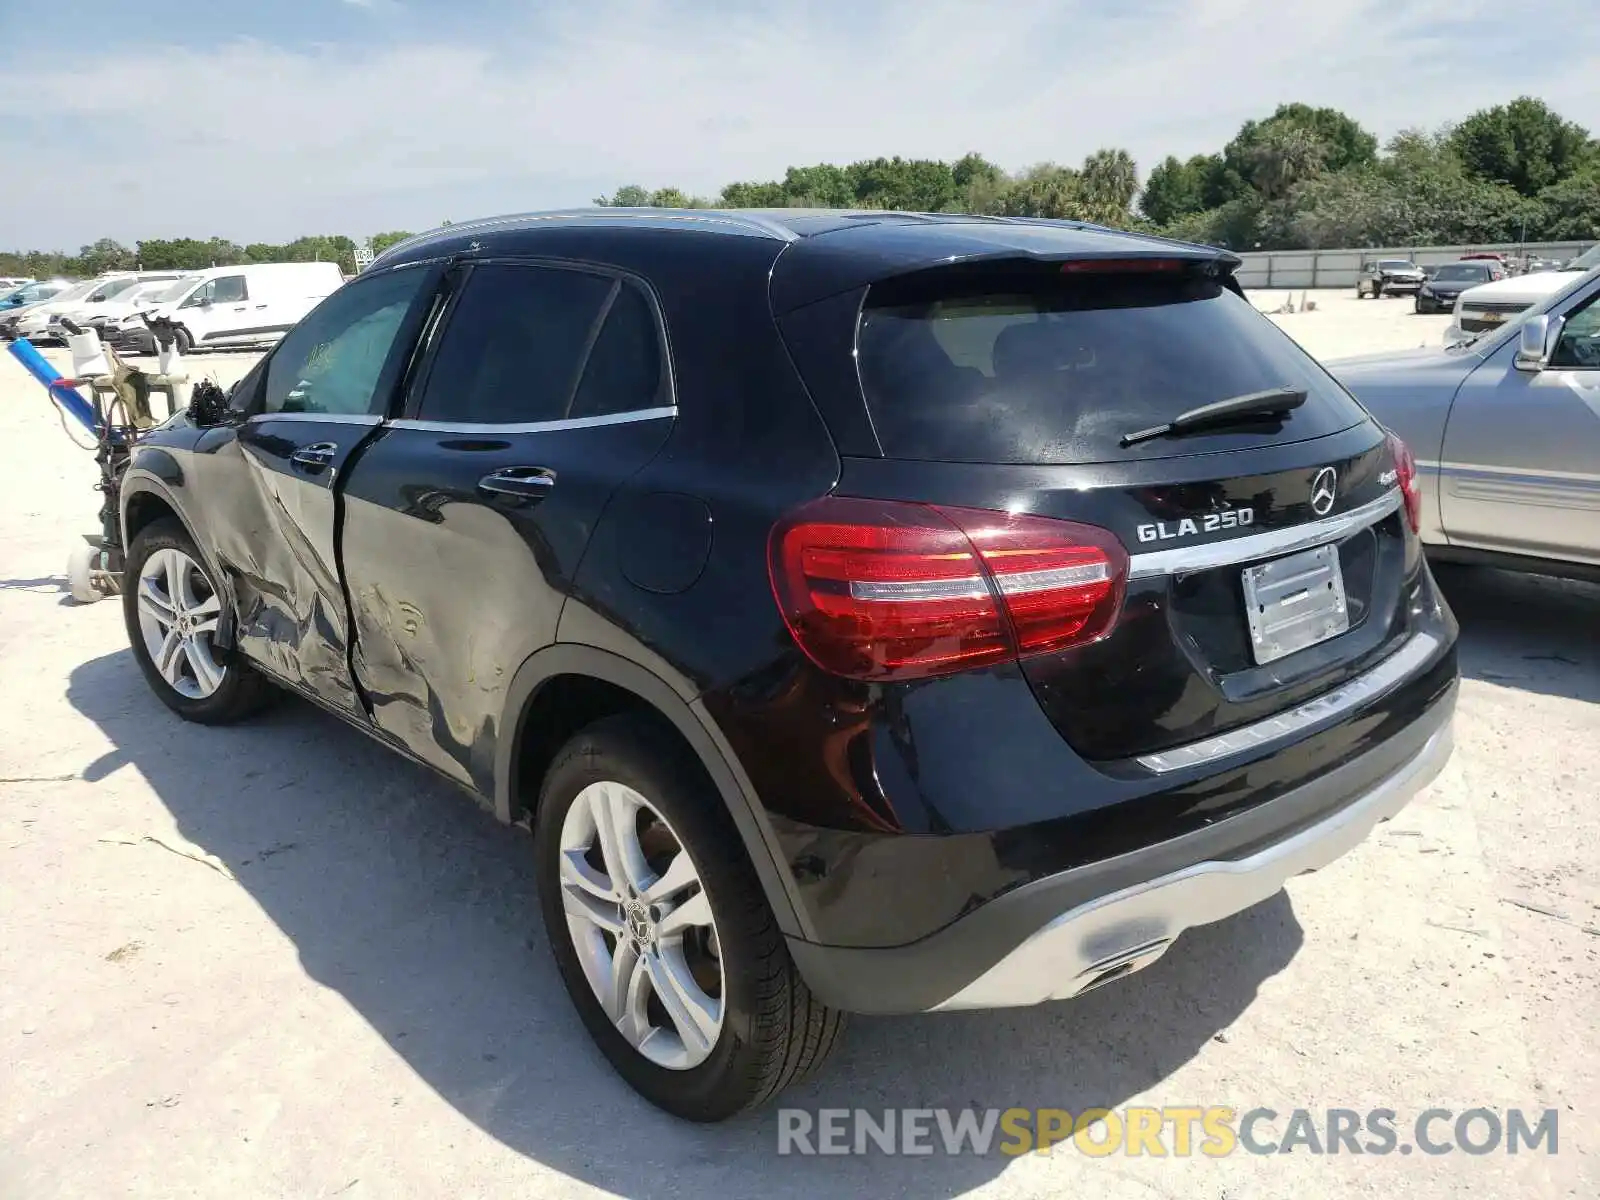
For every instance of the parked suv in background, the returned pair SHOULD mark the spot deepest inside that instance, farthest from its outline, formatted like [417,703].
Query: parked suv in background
[870,612]
[1389,277]
[1439,292]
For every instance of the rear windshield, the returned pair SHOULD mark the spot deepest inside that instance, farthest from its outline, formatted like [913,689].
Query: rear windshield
[1048,369]
[1467,271]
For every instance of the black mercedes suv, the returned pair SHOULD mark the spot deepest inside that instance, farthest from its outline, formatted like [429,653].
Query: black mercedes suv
[869,612]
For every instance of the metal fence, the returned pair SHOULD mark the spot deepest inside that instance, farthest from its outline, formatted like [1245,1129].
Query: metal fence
[1341,268]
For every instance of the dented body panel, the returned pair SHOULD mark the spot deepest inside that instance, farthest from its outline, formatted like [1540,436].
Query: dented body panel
[452,588]
[273,530]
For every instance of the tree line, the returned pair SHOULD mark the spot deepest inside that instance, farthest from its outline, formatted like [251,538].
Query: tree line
[186,254]
[1301,178]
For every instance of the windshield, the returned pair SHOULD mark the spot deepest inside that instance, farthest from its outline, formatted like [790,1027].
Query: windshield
[1395,264]
[152,291]
[77,291]
[1460,271]
[115,287]
[169,290]
[1589,258]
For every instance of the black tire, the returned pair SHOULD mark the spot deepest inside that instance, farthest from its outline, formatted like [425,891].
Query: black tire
[182,340]
[242,692]
[774,1032]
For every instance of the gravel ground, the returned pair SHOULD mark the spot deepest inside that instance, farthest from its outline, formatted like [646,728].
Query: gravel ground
[362,1004]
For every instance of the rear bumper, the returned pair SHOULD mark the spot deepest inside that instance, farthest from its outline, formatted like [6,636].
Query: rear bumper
[1065,933]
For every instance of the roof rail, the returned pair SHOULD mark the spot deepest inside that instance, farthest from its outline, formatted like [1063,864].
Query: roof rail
[663,217]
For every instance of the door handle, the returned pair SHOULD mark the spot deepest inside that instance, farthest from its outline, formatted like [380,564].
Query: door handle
[524,483]
[313,459]
[261,306]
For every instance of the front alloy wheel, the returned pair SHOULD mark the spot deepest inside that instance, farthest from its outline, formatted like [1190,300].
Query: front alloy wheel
[178,614]
[642,926]
[173,611]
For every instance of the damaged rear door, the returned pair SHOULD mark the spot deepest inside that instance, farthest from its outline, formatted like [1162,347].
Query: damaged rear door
[321,395]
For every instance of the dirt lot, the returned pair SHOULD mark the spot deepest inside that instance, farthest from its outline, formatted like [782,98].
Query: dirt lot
[361,1003]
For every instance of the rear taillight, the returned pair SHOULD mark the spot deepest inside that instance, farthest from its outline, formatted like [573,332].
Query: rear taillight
[878,589]
[1405,467]
[1121,266]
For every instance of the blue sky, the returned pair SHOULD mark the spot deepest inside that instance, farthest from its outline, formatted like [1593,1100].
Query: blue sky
[264,121]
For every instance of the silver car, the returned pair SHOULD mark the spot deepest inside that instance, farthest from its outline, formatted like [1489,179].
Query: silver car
[1505,427]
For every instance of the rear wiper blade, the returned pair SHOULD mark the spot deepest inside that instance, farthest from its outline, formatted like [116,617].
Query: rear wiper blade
[1272,402]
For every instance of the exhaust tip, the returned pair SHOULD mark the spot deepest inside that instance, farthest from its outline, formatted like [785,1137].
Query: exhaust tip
[1121,965]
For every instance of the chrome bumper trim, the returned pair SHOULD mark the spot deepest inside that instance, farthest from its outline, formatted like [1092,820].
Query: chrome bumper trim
[1296,722]
[1124,932]
[1270,544]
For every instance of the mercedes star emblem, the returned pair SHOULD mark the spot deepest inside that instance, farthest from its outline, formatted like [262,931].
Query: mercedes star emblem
[1324,485]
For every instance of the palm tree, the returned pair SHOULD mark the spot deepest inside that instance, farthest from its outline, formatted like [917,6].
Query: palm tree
[1107,185]
[1283,156]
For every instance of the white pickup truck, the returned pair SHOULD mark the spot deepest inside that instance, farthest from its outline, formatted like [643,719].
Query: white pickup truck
[1491,305]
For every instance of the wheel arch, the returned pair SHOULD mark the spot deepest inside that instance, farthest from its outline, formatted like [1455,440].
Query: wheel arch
[149,493]
[569,665]
[145,500]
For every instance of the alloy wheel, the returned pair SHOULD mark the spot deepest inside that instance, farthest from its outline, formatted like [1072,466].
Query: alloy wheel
[641,923]
[178,615]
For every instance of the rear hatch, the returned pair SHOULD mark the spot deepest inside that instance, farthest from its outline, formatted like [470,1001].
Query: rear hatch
[1267,557]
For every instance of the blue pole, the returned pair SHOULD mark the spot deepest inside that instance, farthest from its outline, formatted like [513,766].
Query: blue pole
[70,399]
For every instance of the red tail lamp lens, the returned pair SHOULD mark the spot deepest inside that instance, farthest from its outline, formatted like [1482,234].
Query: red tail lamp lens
[1405,467]
[875,589]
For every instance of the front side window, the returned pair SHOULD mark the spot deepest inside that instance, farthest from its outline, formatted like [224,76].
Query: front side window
[1579,344]
[201,295]
[515,345]
[229,289]
[331,362]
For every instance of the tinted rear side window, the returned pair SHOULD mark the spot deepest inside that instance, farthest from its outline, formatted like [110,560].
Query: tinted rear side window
[624,372]
[1035,368]
[514,345]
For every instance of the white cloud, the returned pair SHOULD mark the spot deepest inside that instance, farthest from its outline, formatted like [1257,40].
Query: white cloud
[258,141]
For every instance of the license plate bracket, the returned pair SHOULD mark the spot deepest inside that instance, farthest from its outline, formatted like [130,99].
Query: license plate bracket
[1295,602]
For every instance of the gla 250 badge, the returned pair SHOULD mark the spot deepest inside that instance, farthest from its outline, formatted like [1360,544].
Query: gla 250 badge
[1166,531]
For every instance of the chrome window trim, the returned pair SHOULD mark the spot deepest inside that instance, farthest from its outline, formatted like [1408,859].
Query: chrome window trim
[627,418]
[1270,544]
[318,418]
[1322,710]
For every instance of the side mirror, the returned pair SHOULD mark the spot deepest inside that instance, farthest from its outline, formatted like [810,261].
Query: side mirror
[1532,339]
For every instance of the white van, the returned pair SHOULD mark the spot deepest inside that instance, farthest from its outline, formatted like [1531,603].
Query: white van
[246,305]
